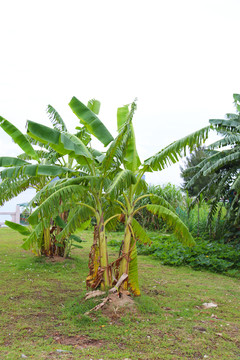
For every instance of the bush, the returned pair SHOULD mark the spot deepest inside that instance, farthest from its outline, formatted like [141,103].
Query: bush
[213,256]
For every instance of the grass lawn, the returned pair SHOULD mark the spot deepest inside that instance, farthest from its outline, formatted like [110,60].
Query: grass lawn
[42,311]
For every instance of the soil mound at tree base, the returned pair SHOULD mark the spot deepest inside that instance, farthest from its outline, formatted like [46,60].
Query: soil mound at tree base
[118,306]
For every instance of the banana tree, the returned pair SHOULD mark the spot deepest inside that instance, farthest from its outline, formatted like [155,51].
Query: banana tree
[131,196]
[104,179]
[20,174]
[85,194]
[222,166]
[88,183]
[100,177]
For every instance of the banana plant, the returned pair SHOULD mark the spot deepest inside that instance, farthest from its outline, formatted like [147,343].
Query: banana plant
[131,196]
[85,194]
[100,178]
[20,173]
[222,165]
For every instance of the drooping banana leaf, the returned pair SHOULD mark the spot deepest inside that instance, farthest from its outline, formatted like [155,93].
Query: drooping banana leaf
[18,137]
[179,228]
[9,188]
[231,123]
[90,121]
[159,200]
[173,152]
[52,204]
[35,239]
[23,230]
[140,233]
[225,161]
[59,221]
[79,219]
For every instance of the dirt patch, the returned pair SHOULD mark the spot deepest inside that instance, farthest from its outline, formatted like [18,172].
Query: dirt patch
[78,341]
[54,259]
[118,306]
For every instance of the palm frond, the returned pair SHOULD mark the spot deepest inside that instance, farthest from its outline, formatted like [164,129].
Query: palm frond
[212,210]
[205,164]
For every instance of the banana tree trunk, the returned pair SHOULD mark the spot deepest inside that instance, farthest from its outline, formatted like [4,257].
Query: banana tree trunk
[47,241]
[98,259]
[124,267]
[104,255]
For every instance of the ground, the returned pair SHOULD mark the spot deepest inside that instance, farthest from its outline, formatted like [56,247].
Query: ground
[42,311]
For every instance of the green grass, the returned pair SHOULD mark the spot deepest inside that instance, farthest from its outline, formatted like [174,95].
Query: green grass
[42,310]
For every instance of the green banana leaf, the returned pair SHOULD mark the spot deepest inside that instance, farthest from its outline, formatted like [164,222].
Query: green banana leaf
[131,158]
[179,228]
[18,138]
[56,119]
[6,161]
[17,227]
[62,142]
[94,106]
[173,152]
[92,123]
[34,170]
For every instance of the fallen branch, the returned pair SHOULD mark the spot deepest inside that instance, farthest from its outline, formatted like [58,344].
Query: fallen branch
[99,306]
[119,283]
[93,294]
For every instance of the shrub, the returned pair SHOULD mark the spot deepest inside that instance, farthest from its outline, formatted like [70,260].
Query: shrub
[213,256]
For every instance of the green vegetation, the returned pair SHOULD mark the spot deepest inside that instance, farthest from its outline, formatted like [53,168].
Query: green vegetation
[90,185]
[212,256]
[43,307]
[221,167]
[42,310]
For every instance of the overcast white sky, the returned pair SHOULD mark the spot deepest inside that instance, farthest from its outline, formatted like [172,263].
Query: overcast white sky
[179,58]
